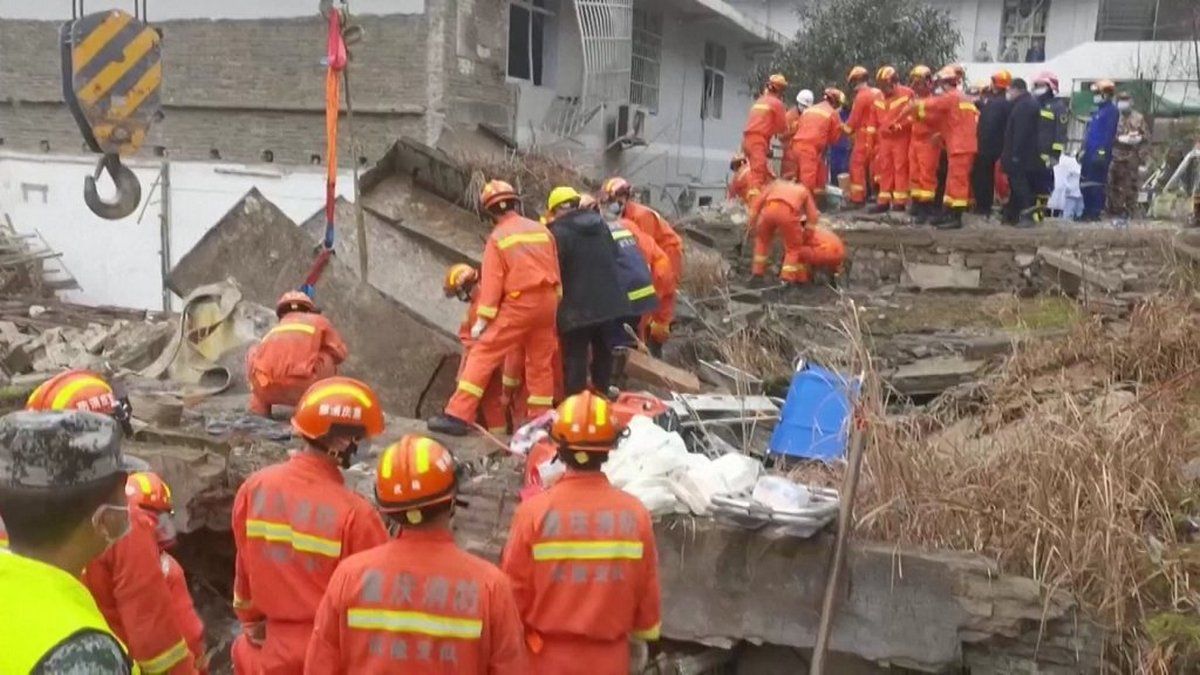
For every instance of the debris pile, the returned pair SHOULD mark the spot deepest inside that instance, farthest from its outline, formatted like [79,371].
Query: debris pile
[28,266]
[1072,464]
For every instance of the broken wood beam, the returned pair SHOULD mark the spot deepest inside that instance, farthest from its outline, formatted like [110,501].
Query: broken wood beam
[652,371]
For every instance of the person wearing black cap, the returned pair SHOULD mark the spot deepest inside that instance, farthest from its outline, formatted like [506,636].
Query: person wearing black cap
[62,496]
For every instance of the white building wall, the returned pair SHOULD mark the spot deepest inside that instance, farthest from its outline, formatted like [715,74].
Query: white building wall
[119,262]
[165,10]
[778,15]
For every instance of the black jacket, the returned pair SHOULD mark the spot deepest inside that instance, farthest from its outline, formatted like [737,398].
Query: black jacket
[1021,137]
[1052,127]
[994,110]
[587,259]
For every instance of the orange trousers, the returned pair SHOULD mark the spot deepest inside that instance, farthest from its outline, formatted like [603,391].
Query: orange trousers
[861,156]
[923,156]
[527,320]
[264,394]
[282,653]
[492,413]
[788,164]
[563,655]
[778,215]
[756,148]
[658,323]
[810,167]
[822,249]
[892,158]
[958,180]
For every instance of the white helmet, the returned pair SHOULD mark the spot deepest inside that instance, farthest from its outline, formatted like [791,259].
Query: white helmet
[805,98]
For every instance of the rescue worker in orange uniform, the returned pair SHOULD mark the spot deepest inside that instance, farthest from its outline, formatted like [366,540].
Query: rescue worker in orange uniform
[819,127]
[955,118]
[518,304]
[821,251]
[294,522]
[462,282]
[582,556]
[302,349]
[924,149]
[894,130]
[148,492]
[126,580]
[787,165]
[789,208]
[862,126]
[618,197]
[767,120]
[418,604]
[740,186]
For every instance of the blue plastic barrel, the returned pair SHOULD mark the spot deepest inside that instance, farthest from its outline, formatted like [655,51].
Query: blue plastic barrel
[814,422]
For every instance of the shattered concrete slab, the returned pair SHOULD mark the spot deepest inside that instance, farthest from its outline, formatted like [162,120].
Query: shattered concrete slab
[409,359]
[939,277]
[1071,273]
[933,375]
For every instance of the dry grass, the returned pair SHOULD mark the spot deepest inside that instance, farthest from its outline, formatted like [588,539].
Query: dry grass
[705,272]
[1058,477]
[533,174]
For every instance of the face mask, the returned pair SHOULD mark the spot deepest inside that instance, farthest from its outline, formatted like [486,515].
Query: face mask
[1097,99]
[615,208]
[1124,106]
[1010,95]
[164,528]
[112,522]
[1041,91]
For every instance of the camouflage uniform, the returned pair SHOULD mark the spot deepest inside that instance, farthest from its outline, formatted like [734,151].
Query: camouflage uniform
[1123,183]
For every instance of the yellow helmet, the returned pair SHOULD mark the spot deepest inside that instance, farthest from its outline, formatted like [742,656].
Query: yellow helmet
[560,195]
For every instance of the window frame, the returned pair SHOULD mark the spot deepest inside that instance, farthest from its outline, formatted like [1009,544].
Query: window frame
[1025,38]
[712,98]
[546,10]
[644,91]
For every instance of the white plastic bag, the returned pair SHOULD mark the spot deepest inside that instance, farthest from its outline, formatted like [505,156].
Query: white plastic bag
[780,493]
[740,472]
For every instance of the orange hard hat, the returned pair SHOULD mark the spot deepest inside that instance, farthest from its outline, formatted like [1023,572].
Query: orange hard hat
[834,96]
[616,187]
[338,403]
[496,192]
[458,277]
[294,301]
[1104,86]
[946,74]
[74,390]
[1002,79]
[920,73]
[885,74]
[585,422]
[777,83]
[149,491]
[414,472]
[857,73]
[588,202]
[738,159]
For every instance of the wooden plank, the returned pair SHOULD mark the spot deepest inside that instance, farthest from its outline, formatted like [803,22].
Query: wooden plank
[642,366]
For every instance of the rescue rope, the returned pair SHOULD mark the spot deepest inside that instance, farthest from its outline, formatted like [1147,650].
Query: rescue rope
[335,63]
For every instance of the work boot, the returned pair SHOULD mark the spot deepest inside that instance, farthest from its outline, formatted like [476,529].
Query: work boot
[899,208]
[879,208]
[447,424]
[920,213]
[757,281]
[953,220]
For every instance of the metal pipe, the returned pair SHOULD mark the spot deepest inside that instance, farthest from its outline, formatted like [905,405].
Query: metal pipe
[164,233]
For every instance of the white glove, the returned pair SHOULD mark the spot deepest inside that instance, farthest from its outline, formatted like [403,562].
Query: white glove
[477,330]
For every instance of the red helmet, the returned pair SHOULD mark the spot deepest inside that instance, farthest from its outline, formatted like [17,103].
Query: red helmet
[496,192]
[149,491]
[834,96]
[414,473]
[1002,79]
[294,301]
[74,390]
[338,402]
[617,187]
[1047,78]
[585,422]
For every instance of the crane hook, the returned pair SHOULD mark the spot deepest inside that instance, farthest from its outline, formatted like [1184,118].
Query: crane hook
[129,190]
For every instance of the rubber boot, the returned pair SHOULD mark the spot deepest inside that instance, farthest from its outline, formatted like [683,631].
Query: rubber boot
[939,215]
[953,220]
[447,424]
[920,213]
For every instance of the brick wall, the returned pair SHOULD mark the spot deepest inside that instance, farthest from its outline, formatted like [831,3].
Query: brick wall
[242,87]
[476,61]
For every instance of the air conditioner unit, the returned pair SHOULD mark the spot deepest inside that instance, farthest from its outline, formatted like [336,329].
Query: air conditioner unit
[627,130]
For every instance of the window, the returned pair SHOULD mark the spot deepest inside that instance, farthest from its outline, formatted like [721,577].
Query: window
[527,34]
[714,81]
[1023,31]
[647,56]
[1133,20]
